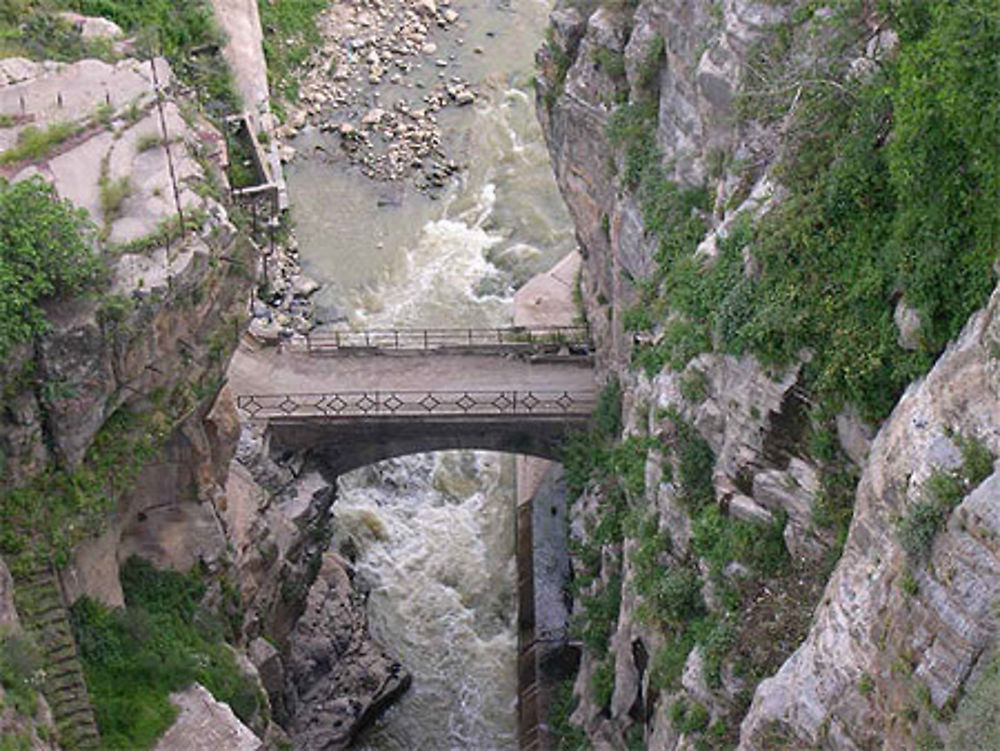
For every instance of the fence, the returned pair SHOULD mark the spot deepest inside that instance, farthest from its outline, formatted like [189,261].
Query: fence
[383,404]
[575,337]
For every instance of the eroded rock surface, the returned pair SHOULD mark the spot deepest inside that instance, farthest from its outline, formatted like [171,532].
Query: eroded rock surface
[203,724]
[339,679]
[869,623]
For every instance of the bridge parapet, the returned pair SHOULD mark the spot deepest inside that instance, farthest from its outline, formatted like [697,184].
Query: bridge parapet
[353,405]
[575,339]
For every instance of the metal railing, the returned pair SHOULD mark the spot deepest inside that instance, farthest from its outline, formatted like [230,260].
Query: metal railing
[384,404]
[575,337]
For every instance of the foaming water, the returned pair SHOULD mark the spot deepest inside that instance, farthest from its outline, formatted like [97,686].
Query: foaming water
[434,537]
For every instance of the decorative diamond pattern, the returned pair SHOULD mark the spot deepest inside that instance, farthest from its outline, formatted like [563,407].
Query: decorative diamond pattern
[503,403]
[357,403]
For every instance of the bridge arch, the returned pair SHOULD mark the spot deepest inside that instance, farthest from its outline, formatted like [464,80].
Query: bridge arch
[342,446]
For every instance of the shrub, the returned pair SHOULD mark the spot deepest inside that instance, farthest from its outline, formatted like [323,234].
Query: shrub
[689,718]
[977,461]
[918,528]
[45,253]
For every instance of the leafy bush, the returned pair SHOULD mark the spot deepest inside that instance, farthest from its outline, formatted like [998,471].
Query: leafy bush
[163,640]
[918,528]
[689,718]
[674,598]
[977,461]
[45,253]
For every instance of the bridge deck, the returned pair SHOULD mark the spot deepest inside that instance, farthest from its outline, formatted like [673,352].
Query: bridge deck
[268,371]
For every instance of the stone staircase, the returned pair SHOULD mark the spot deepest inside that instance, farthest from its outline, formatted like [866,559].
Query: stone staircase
[42,608]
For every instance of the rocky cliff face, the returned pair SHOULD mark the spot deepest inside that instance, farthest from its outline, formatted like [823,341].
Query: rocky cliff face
[696,634]
[195,488]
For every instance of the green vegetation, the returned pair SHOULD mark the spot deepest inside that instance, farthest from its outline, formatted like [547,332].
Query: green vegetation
[113,196]
[942,492]
[893,186]
[45,254]
[30,28]
[148,142]
[183,31]
[602,682]
[562,62]
[34,143]
[59,507]
[20,670]
[568,737]
[290,35]
[689,717]
[977,722]
[611,62]
[163,640]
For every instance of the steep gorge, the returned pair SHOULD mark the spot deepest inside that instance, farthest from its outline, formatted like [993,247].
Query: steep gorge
[779,209]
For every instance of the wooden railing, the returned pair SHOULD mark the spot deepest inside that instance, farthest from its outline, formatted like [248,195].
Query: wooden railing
[575,338]
[382,404]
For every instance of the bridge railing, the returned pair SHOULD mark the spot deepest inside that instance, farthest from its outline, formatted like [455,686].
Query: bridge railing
[387,404]
[428,339]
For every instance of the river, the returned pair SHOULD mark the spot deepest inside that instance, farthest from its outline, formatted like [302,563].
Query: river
[434,533]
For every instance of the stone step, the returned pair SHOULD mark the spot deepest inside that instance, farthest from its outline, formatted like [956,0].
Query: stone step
[60,653]
[66,710]
[40,601]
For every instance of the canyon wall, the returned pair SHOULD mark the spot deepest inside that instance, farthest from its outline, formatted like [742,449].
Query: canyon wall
[746,564]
